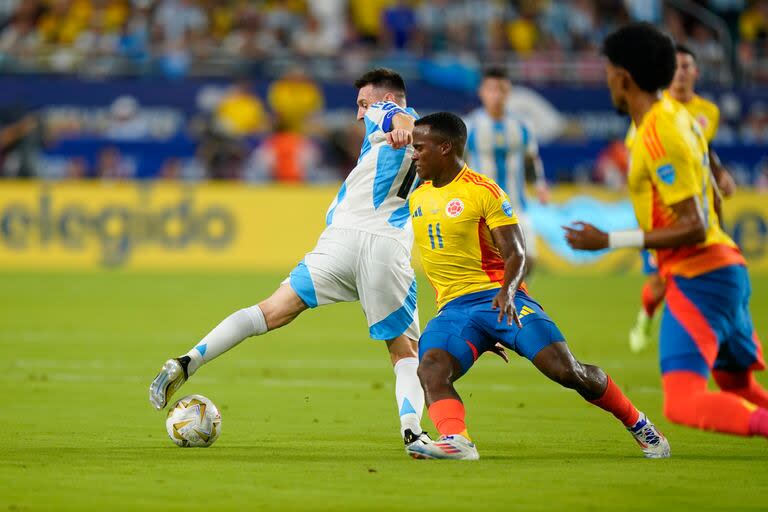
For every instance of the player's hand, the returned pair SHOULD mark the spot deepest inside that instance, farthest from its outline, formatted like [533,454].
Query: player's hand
[585,237]
[500,351]
[399,138]
[726,184]
[506,308]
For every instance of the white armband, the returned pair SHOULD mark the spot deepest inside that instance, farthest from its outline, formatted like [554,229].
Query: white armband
[630,238]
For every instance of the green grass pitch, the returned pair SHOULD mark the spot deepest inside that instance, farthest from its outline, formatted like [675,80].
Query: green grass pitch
[309,419]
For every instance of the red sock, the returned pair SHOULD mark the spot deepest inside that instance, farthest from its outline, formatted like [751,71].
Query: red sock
[616,402]
[448,417]
[687,401]
[758,423]
[650,300]
[743,384]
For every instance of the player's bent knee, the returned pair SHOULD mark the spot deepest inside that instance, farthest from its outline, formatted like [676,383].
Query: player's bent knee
[434,370]
[564,370]
[569,376]
[558,364]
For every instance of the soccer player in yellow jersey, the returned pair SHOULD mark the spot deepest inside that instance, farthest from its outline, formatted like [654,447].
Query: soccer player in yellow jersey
[706,113]
[472,250]
[706,327]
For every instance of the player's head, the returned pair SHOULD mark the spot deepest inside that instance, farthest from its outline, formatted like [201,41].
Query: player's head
[438,144]
[687,71]
[640,60]
[494,89]
[380,84]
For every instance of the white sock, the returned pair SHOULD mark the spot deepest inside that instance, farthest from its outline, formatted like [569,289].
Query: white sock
[231,331]
[410,396]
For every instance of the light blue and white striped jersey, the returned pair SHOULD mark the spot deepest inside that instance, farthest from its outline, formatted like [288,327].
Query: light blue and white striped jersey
[374,197]
[497,149]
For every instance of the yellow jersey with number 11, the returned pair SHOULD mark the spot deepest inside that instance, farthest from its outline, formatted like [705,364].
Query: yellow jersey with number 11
[452,229]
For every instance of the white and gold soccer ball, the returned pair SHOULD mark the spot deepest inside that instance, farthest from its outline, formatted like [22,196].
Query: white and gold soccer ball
[193,421]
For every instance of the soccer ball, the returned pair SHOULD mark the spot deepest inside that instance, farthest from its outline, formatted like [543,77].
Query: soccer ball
[193,421]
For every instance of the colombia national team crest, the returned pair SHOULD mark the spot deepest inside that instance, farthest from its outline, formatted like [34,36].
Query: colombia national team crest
[454,207]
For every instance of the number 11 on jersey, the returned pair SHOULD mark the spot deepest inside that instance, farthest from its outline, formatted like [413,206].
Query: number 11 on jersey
[434,232]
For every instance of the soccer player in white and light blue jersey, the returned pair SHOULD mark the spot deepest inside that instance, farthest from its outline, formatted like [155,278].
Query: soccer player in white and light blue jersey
[364,254]
[502,147]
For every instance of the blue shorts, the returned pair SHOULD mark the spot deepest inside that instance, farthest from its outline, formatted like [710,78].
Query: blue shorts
[707,324]
[649,262]
[467,326]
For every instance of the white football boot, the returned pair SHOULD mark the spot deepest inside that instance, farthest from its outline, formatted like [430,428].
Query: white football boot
[455,447]
[651,440]
[172,375]
[641,334]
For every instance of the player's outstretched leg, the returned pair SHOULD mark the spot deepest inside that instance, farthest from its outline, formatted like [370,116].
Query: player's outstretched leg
[282,307]
[652,295]
[558,363]
[438,369]
[688,402]
[408,392]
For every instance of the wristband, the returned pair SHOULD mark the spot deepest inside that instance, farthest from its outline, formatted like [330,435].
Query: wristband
[630,238]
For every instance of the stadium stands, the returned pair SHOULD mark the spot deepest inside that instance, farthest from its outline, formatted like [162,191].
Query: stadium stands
[142,81]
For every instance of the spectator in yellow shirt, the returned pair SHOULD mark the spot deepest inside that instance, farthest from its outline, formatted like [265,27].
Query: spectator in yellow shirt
[294,99]
[366,18]
[753,23]
[240,112]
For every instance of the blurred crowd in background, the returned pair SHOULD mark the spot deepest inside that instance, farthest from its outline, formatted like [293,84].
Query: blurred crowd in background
[179,37]
[286,129]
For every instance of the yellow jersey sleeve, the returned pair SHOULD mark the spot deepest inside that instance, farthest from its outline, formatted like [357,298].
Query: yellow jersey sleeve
[672,165]
[496,207]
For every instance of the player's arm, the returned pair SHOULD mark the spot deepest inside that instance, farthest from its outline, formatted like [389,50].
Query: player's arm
[533,163]
[688,229]
[394,121]
[717,200]
[723,179]
[725,184]
[401,133]
[509,240]
[674,174]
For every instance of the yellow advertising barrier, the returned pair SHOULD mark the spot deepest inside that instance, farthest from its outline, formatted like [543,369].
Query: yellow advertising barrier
[233,226]
[80,225]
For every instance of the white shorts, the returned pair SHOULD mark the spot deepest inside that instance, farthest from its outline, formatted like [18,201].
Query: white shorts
[529,234]
[348,265]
